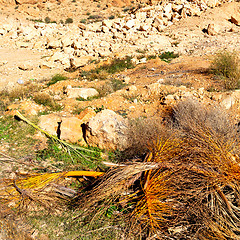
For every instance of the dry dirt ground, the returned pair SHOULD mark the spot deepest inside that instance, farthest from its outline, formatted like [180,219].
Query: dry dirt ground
[189,70]
[186,35]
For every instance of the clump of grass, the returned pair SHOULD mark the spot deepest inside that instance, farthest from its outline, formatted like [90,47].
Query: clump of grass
[88,98]
[111,17]
[149,57]
[110,86]
[83,20]
[37,20]
[56,78]
[118,65]
[21,92]
[168,56]
[68,20]
[46,100]
[77,109]
[12,132]
[115,66]
[226,65]
[94,17]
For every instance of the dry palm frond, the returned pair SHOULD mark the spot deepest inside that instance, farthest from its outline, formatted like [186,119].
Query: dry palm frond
[77,150]
[115,182]
[195,180]
[38,188]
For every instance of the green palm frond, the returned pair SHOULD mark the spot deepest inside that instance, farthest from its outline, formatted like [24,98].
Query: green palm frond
[79,151]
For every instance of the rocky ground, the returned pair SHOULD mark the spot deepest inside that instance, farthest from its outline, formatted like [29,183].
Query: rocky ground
[39,39]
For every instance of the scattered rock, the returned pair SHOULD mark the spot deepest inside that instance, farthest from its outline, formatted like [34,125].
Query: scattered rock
[84,93]
[27,66]
[212,29]
[236,19]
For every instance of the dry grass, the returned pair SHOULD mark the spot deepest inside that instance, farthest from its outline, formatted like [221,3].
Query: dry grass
[226,65]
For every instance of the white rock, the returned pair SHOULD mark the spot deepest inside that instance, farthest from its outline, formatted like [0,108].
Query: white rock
[80,62]
[81,92]
[54,43]
[129,24]
[107,23]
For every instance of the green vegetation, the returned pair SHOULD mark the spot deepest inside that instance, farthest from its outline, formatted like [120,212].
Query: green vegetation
[99,109]
[226,65]
[37,20]
[68,20]
[110,86]
[21,92]
[115,66]
[61,158]
[94,17]
[15,136]
[111,17]
[83,20]
[56,78]
[168,56]
[47,20]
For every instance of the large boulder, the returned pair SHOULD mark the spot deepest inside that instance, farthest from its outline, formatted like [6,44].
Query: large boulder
[107,130]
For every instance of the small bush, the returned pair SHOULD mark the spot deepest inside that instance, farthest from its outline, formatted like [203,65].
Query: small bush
[56,78]
[226,65]
[83,20]
[141,134]
[46,100]
[111,17]
[110,86]
[168,56]
[116,65]
[47,20]
[94,17]
[69,20]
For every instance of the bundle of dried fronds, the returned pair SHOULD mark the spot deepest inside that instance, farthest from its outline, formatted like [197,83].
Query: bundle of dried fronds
[193,184]
[42,189]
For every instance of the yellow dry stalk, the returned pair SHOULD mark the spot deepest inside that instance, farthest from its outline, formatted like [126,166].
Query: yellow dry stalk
[152,208]
[163,147]
[34,183]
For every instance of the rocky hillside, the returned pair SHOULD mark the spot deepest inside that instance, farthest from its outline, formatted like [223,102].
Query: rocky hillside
[95,73]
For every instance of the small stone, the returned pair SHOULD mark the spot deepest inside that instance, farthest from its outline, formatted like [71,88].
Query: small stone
[236,19]
[212,29]
[20,81]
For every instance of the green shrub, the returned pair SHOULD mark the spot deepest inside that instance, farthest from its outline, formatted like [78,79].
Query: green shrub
[56,78]
[47,20]
[168,56]
[117,65]
[94,17]
[83,20]
[226,65]
[69,20]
